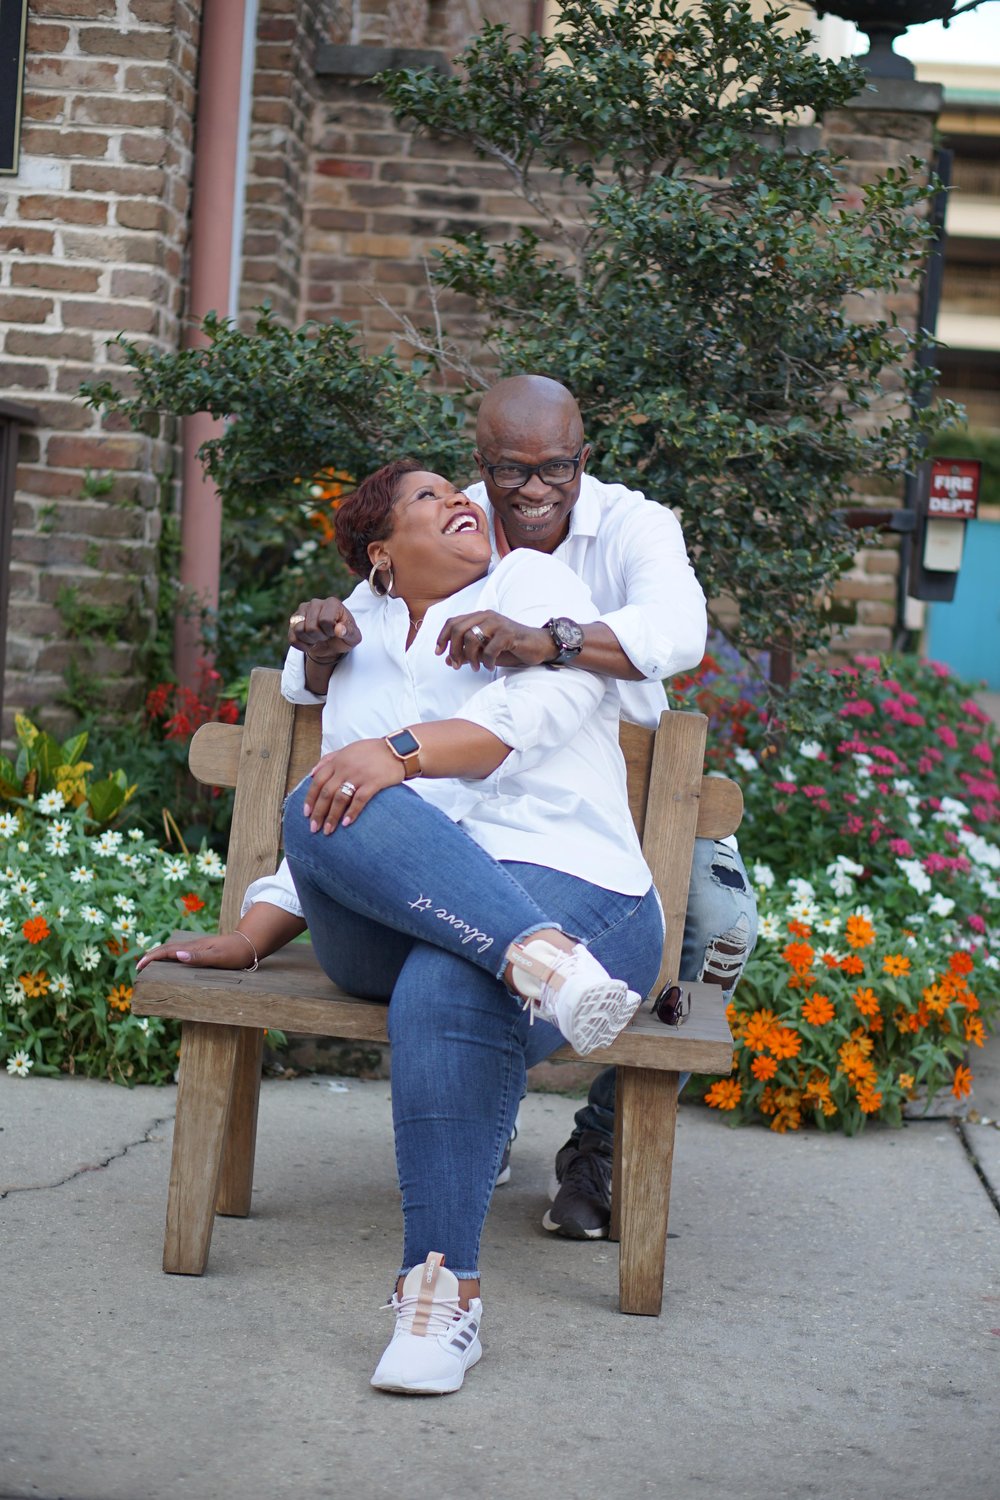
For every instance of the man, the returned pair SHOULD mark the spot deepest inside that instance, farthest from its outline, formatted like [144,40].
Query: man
[630,552]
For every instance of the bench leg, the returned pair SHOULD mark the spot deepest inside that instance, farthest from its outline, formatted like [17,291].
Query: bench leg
[615,1226]
[208,1060]
[236,1180]
[647,1103]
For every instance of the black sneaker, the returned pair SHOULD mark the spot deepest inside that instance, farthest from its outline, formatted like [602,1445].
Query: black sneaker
[504,1173]
[581,1208]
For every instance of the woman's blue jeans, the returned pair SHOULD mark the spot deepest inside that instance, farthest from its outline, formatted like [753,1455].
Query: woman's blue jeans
[403,905]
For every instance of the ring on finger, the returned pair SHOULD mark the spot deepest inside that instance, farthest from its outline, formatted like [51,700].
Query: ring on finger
[479,634]
[296,620]
[347,788]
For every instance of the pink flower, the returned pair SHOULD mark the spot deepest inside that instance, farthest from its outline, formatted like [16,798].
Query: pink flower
[854,824]
[851,798]
[876,833]
[934,863]
[814,791]
[982,752]
[933,752]
[924,765]
[947,736]
[908,700]
[902,847]
[872,663]
[982,812]
[938,668]
[972,708]
[915,720]
[966,726]
[976,923]
[857,708]
[882,752]
[824,806]
[852,747]
[785,786]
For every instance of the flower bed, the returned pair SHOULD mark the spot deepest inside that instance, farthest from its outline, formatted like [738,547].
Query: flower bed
[78,904]
[871,832]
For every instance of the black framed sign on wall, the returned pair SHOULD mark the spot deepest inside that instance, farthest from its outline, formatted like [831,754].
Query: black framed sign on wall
[13,24]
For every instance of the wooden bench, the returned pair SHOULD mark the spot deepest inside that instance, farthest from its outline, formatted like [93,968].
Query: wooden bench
[224,1012]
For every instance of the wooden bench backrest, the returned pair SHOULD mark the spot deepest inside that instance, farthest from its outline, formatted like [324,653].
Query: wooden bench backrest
[671,800]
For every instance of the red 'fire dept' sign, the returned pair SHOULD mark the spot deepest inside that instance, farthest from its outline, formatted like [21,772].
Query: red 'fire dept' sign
[954,492]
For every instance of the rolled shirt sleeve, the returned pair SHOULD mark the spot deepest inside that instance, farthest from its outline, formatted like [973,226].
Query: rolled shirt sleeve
[663,625]
[277,890]
[293,680]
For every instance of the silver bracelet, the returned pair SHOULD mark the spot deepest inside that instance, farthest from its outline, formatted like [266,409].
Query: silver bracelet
[256,961]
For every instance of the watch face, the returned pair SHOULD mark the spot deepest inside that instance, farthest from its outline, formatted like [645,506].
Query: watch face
[567,634]
[403,742]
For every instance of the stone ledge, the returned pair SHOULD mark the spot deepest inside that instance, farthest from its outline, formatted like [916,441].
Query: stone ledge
[903,94]
[364,61]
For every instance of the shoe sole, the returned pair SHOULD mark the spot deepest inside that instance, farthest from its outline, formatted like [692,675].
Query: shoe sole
[571,1230]
[599,1014]
[503,1177]
[429,1388]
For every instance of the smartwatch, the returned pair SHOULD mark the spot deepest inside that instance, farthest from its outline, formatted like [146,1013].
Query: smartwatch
[406,748]
[568,638]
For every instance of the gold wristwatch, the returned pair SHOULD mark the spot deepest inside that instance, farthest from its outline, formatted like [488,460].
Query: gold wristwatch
[405,747]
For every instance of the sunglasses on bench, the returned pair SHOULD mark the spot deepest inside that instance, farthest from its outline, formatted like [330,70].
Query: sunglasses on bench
[672,1005]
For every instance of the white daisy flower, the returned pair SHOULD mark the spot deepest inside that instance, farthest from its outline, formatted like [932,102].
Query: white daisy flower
[19,1064]
[979,850]
[745,759]
[174,868]
[125,903]
[769,928]
[62,912]
[51,802]
[991,961]
[107,843]
[93,915]
[34,907]
[130,861]
[830,953]
[23,847]
[802,911]
[124,926]
[904,787]
[81,875]
[4,961]
[57,845]
[210,864]
[89,957]
[8,825]
[63,826]
[810,750]
[802,890]
[832,923]
[941,906]
[143,940]
[763,876]
[14,992]
[62,985]
[136,835]
[785,773]
[142,1023]
[6,927]
[21,886]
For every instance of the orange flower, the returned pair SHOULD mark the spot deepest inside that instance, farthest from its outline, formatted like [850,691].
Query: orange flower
[724,1094]
[974,1031]
[962,1082]
[36,929]
[859,933]
[866,1001]
[799,929]
[936,1000]
[816,1094]
[961,963]
[854,1059]
[191,902]
[869,1099]
[799,955]
[896,964]
[121,997]
[758,1032]
[852,964]
[114,947]
[763,1068]
[906,1081]
[818,1010]
[34,985]
[784,1042]
[830,961]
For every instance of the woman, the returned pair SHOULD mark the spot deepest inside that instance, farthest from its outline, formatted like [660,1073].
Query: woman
[454,895]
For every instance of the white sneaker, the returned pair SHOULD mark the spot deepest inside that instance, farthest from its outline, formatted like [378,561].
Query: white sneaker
[435,1341]
[574,992]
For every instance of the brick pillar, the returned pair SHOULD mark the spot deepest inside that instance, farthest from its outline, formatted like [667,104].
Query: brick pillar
[92,243]
[881,128]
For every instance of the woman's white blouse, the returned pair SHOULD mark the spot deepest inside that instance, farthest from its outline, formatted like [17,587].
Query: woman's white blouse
[560,798]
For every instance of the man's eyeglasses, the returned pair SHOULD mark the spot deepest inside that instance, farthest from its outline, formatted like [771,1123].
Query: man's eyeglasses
[510,476]
[672,1005]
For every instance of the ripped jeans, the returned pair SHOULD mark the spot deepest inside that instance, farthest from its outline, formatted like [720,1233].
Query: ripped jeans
[720,933]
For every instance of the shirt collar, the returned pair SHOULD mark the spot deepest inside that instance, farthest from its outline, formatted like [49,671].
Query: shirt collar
[584,518]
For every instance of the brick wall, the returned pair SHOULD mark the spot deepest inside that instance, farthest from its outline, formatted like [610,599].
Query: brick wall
[92,239]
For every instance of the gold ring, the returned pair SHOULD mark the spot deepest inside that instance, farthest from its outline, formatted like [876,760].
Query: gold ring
[479,634]
[297,620]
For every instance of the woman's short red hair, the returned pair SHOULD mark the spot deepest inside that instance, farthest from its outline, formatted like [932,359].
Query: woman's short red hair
[366,515]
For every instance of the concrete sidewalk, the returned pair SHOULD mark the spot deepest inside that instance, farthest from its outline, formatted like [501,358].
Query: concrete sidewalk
[831,1324]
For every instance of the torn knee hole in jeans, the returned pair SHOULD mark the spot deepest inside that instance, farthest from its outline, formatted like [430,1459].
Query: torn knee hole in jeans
[725,871]
[726,954]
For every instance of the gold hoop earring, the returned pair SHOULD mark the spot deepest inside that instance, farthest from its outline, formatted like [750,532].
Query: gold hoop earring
[377,568]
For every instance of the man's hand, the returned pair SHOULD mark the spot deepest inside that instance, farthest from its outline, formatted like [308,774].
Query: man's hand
[485,639]
[346,780]
[324,630]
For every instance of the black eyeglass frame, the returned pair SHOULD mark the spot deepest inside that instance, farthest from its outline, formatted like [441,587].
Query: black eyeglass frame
[532,469]
[672,1005]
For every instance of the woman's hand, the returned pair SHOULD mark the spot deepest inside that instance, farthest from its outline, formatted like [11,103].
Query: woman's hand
[229,950]
[345,781]
[486,639]
[324,630]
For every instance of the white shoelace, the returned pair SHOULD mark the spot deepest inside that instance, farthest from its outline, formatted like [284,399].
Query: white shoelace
[444,1314]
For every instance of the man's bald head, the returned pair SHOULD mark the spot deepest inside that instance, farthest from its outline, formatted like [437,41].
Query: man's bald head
[528,408]
[528,423]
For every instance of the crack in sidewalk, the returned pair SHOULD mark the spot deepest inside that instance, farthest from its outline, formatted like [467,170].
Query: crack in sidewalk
[97,1166]
[976,1166]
